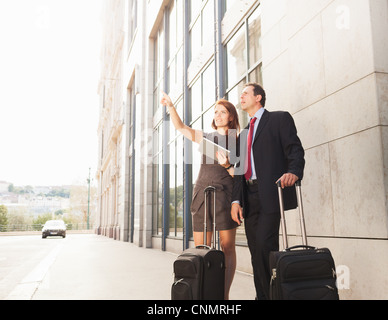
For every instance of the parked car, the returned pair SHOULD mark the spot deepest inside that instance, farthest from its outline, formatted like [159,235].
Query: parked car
[54,228]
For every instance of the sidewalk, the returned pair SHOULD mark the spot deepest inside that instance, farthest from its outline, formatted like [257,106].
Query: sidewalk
[91,267]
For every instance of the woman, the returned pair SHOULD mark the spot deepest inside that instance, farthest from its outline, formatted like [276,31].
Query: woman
[218,174]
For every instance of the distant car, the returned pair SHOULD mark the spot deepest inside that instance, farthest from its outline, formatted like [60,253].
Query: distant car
[54,228]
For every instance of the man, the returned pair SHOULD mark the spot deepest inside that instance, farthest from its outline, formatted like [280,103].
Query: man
[273,153]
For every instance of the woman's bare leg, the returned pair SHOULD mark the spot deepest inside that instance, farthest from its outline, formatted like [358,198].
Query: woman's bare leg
[228,245]
[198,238]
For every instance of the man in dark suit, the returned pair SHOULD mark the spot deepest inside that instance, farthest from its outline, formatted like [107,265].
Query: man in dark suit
[270,151]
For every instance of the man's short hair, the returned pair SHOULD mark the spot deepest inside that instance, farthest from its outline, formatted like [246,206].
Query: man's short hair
[257,90]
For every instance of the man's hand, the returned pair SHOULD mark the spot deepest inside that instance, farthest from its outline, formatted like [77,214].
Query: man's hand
[237,213]
[287,180]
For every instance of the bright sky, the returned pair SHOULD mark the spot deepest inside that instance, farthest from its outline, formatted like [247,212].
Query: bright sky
[49,107]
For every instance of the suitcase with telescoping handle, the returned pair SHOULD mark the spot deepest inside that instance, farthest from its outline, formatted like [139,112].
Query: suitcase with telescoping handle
[301,272]
[199,273]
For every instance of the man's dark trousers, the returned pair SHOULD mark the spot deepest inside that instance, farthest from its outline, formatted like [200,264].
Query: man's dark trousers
[262,231]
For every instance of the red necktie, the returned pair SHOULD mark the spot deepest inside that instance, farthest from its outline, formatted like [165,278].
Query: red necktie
[248,174]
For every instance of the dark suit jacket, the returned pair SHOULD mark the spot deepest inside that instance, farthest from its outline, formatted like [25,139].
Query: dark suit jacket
[276,150]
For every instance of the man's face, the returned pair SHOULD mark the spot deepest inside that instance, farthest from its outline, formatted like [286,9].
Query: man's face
[248,100]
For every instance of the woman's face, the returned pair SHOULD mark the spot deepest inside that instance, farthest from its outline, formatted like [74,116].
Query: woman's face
[221,116]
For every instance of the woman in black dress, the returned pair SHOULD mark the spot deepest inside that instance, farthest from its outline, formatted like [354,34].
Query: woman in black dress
[218,174]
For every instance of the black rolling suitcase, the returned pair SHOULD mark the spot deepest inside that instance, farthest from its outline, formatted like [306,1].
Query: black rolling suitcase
[199,273]
[301,272]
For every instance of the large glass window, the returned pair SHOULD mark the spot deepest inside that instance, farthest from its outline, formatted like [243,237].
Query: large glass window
[175,48]
[175,77]
[236,57]
[195,37]
[254,38]
[168,48]
[196,99]
[208,87]
[176,179]
[229,3]
[132,21]
[172,194]
[244,64]
[201,27]
[179,188]
[157,181]
[244,59]
[208,22]
[203,96]
[158,67]
[131,107]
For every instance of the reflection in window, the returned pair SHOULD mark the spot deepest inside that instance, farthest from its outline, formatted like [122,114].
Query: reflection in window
[175,64]
[229,4]
[157,174]
[172,200]
[157,194]
[237,54]
[195,39]
[203,95]
[176,179]
[132,25]
[234,97]
[196,100]
[244,64]
[255,51]
[208,22]
[208,117]
[179,188]
[195,7]
[256,75]
[209,85]
[201,25]
[236,57]
[197,157]
[158,67]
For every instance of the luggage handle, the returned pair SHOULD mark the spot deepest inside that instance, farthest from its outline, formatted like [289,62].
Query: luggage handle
[298,186]
[301,246]
[206,191]
[202,246]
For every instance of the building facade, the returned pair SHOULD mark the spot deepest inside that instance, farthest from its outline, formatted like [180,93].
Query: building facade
[324,61]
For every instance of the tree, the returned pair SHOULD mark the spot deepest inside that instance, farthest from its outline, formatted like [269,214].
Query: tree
[41,220]
[79,202]
[3,216]
[59,212]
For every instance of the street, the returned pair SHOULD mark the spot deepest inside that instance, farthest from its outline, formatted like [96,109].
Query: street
[89,267]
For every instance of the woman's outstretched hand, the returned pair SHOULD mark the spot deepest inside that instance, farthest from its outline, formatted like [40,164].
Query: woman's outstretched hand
[166,100]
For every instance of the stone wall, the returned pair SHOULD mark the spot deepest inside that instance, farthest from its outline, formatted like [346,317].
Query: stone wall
[326,63]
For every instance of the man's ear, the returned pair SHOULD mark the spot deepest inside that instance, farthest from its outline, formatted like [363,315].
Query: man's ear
[259,97]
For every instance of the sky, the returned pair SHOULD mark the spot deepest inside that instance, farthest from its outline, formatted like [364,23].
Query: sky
[49,105]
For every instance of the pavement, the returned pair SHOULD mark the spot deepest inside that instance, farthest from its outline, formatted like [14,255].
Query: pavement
[91,267]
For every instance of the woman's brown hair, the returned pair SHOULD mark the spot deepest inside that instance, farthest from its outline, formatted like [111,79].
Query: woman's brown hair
[234,123]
